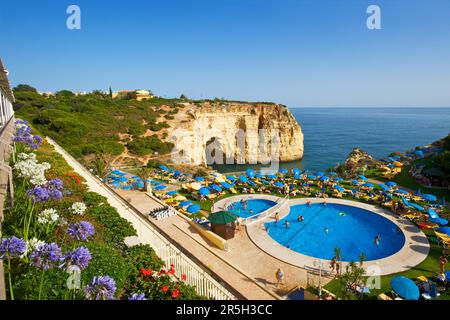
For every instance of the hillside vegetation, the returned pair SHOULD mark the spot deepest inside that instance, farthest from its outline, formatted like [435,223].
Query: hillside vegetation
[92,123]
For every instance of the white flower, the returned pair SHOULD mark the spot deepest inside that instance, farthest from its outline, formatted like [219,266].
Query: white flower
[28,167]
[31,245]
[48,216]
[78,208]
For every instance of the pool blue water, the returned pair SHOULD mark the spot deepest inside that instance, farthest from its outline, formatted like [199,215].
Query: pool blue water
[349,228]
[254,206]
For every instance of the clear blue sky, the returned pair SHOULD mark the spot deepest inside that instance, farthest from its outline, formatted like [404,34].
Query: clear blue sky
[296,52]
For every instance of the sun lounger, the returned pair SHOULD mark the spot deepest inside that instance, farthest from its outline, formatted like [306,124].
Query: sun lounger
[443,238]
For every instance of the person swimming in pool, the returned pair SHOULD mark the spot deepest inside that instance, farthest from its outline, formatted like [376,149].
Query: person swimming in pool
[309,203]
[287,224]
[300,218]
[325,230]
[377,239]
[250,211]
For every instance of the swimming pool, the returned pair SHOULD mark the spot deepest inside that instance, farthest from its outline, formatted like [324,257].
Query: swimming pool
[351,229]
[253,206]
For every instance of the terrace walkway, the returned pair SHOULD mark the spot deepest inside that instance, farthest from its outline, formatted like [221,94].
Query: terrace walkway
[245,268]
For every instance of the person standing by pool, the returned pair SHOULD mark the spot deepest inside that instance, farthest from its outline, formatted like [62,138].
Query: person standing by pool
[280,276]
[277,217]
[442,262]
[309,203]
[333,264]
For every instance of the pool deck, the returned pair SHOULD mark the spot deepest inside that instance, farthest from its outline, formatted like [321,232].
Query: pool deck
[414,251]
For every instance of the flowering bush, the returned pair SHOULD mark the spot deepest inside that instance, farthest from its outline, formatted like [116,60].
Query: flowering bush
[29,168]
[80,258]
[48,216]
[81,231]
[78,208]
[22,134]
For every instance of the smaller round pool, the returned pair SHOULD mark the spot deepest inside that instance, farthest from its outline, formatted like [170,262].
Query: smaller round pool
[249,207]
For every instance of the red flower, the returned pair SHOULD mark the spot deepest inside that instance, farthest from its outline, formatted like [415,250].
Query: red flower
[175,293]
[164,289]
[146,272]
[172,271]
[183,277]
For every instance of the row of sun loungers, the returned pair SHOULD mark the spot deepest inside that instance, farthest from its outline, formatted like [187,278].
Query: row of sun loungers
[162,213]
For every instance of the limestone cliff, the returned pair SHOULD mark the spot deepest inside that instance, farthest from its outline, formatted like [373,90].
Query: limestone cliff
[236,133]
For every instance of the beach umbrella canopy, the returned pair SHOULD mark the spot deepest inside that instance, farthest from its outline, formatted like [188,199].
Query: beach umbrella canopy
[250,173]
[368,185]
[416,206]
[259,176]
[387,195]
[283,171]
[199,179]
[297,176]
[243,179]
[338,179]
[339,188]
[433,214]
[311,177]
[392,159]
[158,188]
[185,203]
[231,178]
[429,197]
[226,185]
[194,208]
[204,191]
[384,187]
[250,182]
[405,288]
[440,221]
[171,193]
[163,168]
[324,178]
[222,217]
[196,186]
[419,153]
[401,191]
[271,176]
[215,187]
[362,177]
[278,184]
[264,181]
[122,179]
[354,181]
[391,184]
[176,174]
[445,230]
[296,171]
[320,173]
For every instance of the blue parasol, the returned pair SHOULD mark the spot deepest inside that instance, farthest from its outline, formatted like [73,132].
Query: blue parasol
[405,288]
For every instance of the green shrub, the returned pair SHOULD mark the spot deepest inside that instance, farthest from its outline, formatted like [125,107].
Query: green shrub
[147,145]
[116,228]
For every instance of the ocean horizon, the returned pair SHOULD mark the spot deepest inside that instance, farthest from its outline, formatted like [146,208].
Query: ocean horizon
[330,133]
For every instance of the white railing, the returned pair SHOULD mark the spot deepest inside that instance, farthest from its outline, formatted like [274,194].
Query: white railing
[197,277]
[265,214]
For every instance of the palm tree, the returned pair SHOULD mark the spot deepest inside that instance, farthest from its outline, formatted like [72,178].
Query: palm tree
[337,253]
[362,257]
[144,173]
[101,166]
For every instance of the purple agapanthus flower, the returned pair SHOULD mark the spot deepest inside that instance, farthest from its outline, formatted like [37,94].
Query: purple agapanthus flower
[101,288]
[11,248]
[49,191]
[23,134]
[80,257]
[81,231]
[136,296]
[45,256]
[39,194]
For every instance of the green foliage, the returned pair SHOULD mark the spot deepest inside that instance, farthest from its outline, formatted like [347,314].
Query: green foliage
[24,88]
[158,126]
[106,260]
[136,129]
[153,163]
[143,256]
[147,145]
[353,276]
[116,228]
